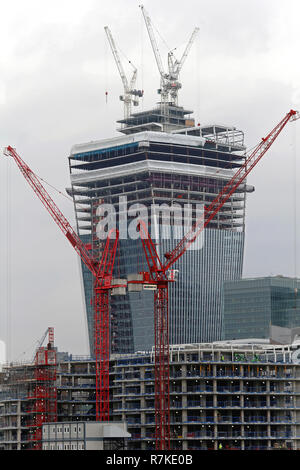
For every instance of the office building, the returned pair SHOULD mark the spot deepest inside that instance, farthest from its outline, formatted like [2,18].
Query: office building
[84,435]
[163,158]
[251,306]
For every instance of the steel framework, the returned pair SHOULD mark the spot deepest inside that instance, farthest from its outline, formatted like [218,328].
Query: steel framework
[102,285]
[43,396]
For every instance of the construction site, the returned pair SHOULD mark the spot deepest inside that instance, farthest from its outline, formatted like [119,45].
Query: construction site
[161,375]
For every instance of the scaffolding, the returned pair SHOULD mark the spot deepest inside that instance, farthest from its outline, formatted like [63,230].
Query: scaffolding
[42,397]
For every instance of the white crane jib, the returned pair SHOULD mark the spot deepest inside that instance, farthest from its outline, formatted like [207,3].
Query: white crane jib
[169,82]
[131,94]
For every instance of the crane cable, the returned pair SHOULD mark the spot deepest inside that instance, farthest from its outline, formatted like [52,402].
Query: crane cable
[106,70]
[59,192]
[295,205]
[295,201]
[8,264]
[55,189]
[142,59]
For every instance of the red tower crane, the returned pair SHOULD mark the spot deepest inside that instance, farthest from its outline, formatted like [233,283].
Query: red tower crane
[102,272]
[158,275]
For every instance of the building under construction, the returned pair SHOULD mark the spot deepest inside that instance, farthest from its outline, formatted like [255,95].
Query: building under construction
[30,392]
[156,168]
[162,158]
[195,394]
[33,390]
[232,395]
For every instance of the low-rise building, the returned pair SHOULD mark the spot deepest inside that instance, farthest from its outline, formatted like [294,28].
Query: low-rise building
[84,435]
[241,395]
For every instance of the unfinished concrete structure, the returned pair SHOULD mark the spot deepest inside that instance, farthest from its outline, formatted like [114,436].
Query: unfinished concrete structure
[235,395]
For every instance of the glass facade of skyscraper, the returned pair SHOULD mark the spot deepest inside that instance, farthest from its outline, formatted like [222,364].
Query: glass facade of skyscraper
[252,305]
[186,167]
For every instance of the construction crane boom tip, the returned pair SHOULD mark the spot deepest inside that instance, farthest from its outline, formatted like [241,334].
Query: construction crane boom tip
[294,115]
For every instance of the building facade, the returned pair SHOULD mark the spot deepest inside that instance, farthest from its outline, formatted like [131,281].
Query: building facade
[251,306]
[223,395]
[84,435]
[163,161]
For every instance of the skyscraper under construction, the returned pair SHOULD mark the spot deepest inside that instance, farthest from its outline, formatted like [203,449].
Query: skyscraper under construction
[162,159]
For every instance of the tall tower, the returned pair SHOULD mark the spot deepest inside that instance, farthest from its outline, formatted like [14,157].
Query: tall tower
[161,159]
[183,165]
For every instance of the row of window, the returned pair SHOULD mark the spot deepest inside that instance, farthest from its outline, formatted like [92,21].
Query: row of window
[64,446]
[61,429]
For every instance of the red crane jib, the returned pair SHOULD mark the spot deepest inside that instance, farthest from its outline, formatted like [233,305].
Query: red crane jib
[158,273]
[102,271]
[251,160]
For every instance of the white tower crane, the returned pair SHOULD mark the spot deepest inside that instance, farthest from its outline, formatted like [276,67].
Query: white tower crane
[131,95]
[169,82]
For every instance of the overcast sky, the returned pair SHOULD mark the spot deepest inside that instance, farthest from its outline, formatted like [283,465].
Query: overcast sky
[55,68]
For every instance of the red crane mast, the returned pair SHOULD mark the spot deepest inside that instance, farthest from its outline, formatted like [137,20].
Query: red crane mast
[158,275]
[102,285]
